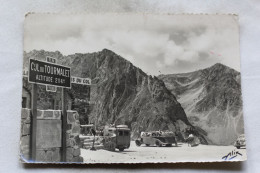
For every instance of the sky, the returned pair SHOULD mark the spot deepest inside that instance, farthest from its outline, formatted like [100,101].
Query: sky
[158,44]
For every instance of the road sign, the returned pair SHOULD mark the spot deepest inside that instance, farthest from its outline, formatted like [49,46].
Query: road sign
[51,88]
[25,73]
[51,59]
[82,81]
[47,73]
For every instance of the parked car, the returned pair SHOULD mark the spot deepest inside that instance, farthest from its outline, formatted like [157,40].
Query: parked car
[158,138]
[117,137]
[240,142]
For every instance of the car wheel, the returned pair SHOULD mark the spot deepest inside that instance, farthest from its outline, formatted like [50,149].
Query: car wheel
[138,143]
[238,147]
[158,144]
[147,145]
[121,149]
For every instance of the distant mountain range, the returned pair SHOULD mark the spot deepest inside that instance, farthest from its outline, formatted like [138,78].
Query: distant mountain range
[124,94]
[212,101]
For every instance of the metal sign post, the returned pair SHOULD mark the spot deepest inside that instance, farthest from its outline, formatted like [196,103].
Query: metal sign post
[33,123]
[64,125]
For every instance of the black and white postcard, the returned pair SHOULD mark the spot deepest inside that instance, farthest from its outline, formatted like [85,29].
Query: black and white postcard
[131,88]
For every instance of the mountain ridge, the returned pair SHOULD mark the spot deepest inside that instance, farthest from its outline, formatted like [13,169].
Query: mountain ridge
[124,94]
[212,100]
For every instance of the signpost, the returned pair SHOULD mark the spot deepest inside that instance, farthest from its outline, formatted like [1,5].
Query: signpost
[51,75]
[51,88]
[64,125]
[33,122]
[51,59]
[82,81]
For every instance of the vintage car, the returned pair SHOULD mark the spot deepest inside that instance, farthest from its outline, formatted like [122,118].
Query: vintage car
[158,138]
[117,137]
[108,137]
[240,142]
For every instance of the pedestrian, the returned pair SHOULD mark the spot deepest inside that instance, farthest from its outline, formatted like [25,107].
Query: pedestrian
[190,139]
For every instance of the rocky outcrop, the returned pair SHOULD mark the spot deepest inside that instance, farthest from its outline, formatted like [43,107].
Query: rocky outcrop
[212,101]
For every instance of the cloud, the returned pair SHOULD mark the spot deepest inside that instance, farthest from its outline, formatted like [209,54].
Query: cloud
[152,42]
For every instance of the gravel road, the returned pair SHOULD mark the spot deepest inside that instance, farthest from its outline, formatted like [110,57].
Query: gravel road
[182,153]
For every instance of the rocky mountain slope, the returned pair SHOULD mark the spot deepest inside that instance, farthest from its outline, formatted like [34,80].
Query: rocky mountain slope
[123,94]
[212,101]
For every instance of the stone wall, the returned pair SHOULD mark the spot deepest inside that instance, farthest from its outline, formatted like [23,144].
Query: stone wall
[25,134]
[48,140]
[45,100]
[73,141]
[77,98]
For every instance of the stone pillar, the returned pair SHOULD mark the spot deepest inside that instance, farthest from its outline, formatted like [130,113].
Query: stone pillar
[48,136]
[73,141]
[25,134]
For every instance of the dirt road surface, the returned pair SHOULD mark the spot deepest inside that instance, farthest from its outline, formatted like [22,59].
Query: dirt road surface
[153,154]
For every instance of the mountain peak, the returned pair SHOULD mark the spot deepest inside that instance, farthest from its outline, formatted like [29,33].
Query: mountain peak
[107,51]
[219,66]
[110,54]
